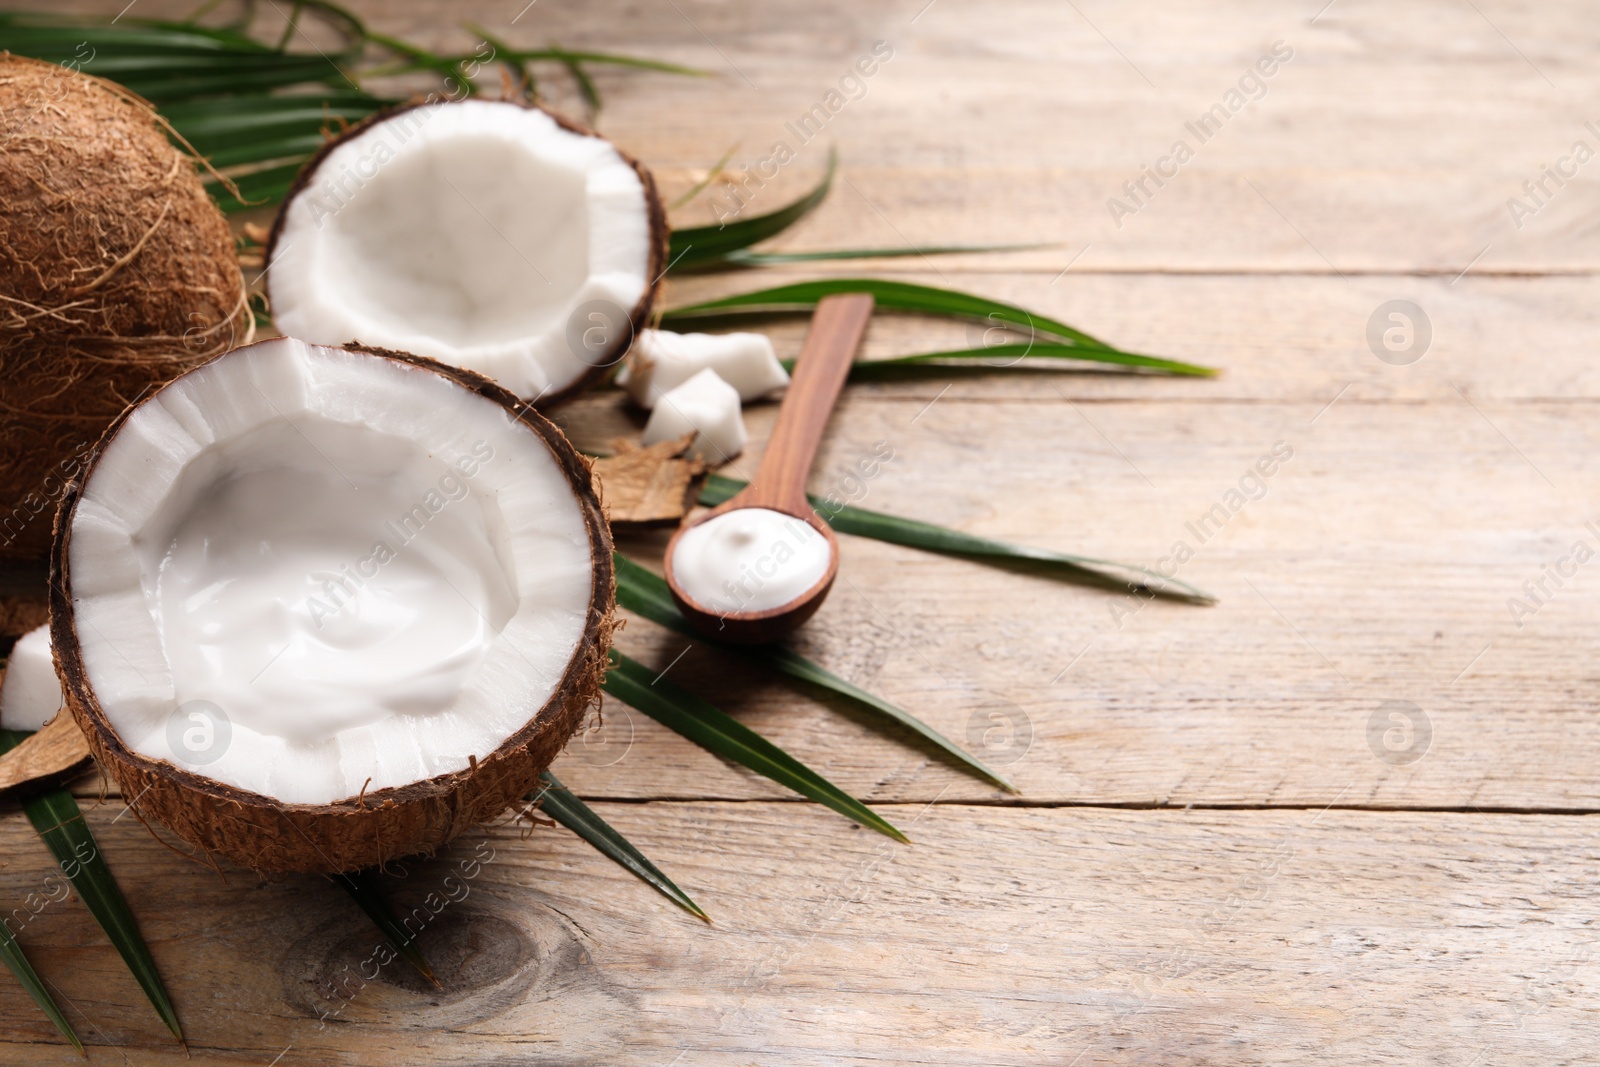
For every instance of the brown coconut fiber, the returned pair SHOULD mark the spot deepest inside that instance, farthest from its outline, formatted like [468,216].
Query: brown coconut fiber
[117,273]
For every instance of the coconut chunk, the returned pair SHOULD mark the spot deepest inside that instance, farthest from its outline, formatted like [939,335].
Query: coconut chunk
[30,695]
[311,574]
[707,406]
[662,360]
[484,234]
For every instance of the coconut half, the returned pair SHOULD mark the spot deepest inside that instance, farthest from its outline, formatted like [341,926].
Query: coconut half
[485,234]
[316,608]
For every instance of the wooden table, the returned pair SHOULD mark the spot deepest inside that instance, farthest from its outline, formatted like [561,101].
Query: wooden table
[1339,818]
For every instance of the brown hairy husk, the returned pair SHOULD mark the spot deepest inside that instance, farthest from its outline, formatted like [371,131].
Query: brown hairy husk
[660,234]
[117,273]
[370,830]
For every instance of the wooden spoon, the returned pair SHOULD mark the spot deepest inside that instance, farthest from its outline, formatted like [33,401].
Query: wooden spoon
[780,483]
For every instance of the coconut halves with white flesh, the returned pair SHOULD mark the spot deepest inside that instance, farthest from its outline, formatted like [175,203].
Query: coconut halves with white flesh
[316,608]
[485,234]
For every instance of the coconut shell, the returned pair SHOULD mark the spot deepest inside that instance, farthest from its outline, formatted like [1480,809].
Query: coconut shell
[660,234]
[267,835]
[117,273]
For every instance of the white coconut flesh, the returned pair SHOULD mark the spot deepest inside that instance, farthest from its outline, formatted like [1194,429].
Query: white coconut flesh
[310,573]
[30,695]
[706,406]
[482,234]
[662,360]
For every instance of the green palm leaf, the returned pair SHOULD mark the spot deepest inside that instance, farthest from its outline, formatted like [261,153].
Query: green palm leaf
[518,69]
[919,299]
[714,730]
[265,186]
[610,59]
[253,129]
[586,86]
[162,87]
[11,953]
[700,246]
[991,359]
[218,87]
[169,64]
[645,593]
[1083,570]
[704,183]
[561,805]
[766,259]
[59,821]
[57,38]
[363,889]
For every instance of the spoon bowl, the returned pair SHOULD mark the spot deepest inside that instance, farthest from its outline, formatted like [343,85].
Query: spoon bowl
[837,327]
[757,626]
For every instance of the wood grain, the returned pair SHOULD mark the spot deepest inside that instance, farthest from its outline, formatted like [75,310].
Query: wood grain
[1002,937]
[1229,850]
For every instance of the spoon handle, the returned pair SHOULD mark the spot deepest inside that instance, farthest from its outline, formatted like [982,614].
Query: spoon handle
[837,327]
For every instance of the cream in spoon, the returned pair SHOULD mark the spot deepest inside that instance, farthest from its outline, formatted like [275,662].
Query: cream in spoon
[750,559]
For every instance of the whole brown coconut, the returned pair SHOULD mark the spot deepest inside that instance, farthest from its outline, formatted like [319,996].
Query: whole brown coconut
[378,825]
[117,273]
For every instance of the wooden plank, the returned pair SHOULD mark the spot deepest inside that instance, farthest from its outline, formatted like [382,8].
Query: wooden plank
[1000,937]
[968,135]
[1393,140]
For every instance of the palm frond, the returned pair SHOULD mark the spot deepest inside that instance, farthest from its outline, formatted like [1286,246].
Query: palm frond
[565,808]
[881,526]
[59,821]
[714,730]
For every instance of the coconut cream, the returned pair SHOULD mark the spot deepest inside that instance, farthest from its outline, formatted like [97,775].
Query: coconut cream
[308,595]
[749,559]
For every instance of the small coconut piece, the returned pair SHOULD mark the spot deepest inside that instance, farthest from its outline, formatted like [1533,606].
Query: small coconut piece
[317,608]
[662,360]
[30,701]
[484,234]
[21,612]
[706,406]
[117,273]
[30,693]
